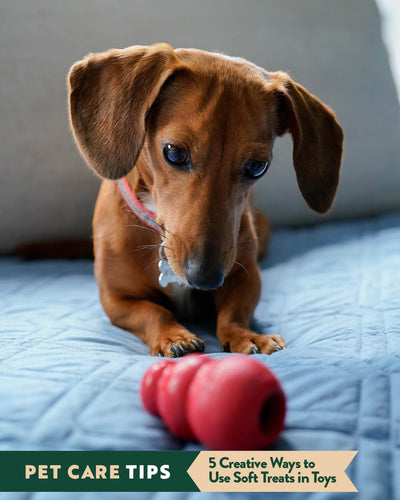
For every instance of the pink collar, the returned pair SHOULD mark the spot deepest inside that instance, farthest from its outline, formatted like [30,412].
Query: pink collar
[145,215]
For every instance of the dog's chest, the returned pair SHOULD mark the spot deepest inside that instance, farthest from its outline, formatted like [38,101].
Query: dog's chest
[190,304]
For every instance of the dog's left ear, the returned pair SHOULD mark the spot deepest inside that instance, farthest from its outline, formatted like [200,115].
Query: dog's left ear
[317,140]
[110,95]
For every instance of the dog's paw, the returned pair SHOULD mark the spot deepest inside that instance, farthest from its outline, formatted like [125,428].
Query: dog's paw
[175,346]
[248,342]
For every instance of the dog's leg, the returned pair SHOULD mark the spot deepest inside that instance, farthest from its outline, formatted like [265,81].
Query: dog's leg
[152,323]
[236,302]
[263,230]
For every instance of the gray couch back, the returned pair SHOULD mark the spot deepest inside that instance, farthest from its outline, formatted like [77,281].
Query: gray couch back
[332,47]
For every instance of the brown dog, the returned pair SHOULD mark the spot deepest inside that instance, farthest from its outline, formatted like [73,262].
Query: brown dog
[199,128]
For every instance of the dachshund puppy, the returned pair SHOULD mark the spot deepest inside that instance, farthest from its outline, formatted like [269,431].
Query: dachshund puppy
[180,137]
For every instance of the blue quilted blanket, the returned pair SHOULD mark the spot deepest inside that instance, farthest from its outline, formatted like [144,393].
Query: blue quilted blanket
[69,380]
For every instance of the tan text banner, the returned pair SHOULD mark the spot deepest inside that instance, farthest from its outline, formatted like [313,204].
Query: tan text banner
[272,471]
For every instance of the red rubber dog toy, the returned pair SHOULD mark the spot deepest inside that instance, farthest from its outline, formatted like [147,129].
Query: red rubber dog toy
[234,403]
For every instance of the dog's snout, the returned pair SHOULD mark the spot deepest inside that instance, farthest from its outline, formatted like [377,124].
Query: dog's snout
[203,274]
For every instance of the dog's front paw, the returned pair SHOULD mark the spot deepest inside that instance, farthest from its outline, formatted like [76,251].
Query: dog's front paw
[248,342]
[177,345]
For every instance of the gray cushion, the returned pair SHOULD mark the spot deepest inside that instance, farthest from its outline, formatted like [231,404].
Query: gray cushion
[332,47]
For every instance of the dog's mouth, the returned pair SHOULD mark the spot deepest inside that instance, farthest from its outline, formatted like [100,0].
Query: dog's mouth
[197,274]
[197,271]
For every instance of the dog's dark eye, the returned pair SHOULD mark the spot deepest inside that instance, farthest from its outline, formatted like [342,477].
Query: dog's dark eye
[177,156]
[254,169]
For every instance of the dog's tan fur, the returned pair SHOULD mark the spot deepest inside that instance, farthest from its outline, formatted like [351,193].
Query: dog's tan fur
[124,104]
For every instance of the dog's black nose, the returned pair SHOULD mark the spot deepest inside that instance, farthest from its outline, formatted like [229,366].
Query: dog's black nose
[204,275]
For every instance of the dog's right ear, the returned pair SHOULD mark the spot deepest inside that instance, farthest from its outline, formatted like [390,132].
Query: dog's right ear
[109,97]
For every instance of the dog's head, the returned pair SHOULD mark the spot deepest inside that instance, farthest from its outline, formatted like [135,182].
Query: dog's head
[200,127]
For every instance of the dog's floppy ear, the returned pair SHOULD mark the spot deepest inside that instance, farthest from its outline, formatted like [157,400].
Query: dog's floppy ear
[109,97]
[317,140]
